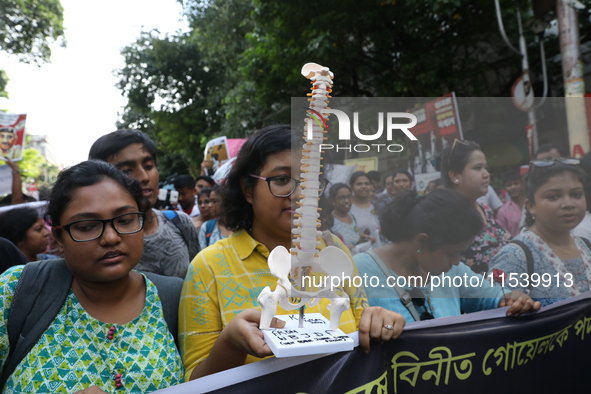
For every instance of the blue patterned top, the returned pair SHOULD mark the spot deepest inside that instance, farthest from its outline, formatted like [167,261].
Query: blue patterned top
[349,232]
[75,353]
[216,234]
[441,301]
[511,260]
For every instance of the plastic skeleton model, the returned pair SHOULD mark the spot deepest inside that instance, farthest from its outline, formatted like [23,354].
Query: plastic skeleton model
[304,259]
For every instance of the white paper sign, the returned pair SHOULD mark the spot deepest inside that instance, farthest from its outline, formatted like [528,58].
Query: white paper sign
[314,338]
[5,180]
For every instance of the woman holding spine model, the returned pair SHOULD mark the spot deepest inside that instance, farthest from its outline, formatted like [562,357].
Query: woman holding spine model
[258,200]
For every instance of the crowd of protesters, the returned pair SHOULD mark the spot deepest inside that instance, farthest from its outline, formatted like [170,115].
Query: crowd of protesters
[145,298]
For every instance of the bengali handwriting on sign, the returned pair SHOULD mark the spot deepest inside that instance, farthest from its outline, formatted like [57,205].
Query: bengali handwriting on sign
[439,357]
[378,386]
[523,352]
[583,327]
[407,367]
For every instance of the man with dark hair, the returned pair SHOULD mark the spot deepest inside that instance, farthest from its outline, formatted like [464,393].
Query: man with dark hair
[185,185]
[551,150]
[203,181]
[170,240]
[7,141]
[375,179]
[509,215]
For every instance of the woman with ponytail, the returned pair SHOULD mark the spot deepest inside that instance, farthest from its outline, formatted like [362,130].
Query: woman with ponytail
[464,169]
[559,263]
[428,236]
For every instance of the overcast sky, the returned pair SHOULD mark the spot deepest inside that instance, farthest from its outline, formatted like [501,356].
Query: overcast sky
[73,99]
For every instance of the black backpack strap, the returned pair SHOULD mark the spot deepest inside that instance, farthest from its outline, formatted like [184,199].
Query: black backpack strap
[529,259]
[169,291]
[39,296]
[405,298]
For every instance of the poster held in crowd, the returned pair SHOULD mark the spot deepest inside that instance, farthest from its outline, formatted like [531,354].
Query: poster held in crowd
[438,123]
[12,135]
[220,150]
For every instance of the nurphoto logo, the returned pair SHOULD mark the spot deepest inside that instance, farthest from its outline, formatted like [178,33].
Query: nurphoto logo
[391,119]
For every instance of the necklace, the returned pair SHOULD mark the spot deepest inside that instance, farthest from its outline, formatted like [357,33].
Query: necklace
[564,251]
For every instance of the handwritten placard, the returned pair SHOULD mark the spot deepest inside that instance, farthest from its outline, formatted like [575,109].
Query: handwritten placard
[314,338]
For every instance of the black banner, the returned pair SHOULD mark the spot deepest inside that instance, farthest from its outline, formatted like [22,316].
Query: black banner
[548,352]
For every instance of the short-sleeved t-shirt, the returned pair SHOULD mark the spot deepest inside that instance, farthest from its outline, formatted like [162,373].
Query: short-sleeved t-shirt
[165,251]
[367,218]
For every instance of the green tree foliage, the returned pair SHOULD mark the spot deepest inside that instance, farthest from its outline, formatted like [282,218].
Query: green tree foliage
[27,28]
[36,169]
[169,96]
[254,50]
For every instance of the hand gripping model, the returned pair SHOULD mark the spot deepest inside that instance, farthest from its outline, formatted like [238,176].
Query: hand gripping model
[305,259]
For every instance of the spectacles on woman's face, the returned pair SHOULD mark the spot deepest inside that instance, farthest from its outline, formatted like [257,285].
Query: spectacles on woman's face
[345,198]
[91,229]
[551,162]
[284,186]
[418,299]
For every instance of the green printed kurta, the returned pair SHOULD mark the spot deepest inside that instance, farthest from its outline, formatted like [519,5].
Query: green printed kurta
[75,352]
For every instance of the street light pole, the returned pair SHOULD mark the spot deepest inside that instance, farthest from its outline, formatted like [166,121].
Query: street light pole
[572,72]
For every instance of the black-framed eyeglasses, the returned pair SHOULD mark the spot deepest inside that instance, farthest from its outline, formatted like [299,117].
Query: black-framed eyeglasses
[418,299]
[91,229]
[550,162]
[345,198]
[284,186]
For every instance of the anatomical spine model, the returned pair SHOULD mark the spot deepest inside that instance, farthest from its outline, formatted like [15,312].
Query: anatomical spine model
[305,259]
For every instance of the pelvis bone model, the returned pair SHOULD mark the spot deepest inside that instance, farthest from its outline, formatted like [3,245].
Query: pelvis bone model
[305,261]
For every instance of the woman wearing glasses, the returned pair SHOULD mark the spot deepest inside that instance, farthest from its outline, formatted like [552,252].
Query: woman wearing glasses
[114,329]
[464,169]
[428,236]
[110,332]
[559,264]
[259,198]
[344,223]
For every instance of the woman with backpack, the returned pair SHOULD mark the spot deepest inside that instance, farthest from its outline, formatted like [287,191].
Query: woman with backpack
[89,322]
[545,259]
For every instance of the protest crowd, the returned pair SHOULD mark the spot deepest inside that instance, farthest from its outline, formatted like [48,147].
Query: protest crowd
[145,292]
